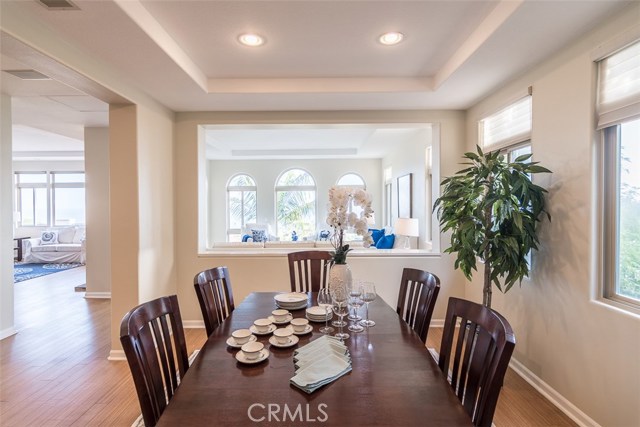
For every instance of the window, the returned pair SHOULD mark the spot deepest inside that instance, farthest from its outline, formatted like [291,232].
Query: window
[242,205]
[507,127]
[618,111]
[295,204]
[46,199]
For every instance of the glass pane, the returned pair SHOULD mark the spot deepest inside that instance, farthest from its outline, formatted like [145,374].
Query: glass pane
[68,177]
[69,204]
[296,211]
[296,177]
[242,180]
[26,206]
[250,207]
[32,178]
[235,209]
[629,237]
[514,154]
[351,179]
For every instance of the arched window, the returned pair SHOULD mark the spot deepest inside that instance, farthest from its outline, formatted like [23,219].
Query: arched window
[242,205]
[351,180]
[295,204]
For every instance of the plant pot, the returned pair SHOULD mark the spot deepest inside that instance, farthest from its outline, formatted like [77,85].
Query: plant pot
[340,280]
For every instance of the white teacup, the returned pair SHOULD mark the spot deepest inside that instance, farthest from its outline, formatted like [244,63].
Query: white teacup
[241,336]
[262,325]
[251,350]
[282,335]
[280,315]
[299,325]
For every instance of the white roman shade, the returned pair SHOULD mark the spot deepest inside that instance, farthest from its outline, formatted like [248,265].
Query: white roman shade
[619,86]
[508,126]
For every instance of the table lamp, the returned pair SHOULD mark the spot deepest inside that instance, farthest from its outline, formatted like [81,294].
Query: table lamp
[407,227]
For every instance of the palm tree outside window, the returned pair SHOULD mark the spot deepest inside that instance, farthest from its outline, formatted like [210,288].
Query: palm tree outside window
[242,205]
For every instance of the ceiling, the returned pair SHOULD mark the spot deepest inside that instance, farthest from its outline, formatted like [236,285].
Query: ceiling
[318,55]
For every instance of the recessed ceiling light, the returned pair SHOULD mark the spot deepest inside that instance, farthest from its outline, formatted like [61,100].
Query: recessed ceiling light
[391,38]
[252,40]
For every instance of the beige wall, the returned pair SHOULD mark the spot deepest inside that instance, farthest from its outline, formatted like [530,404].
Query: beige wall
[157,276]
[255,273]
[96,157]
[6,220]
[586,351]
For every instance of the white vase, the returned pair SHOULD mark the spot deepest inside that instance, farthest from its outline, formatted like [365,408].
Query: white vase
[340,280]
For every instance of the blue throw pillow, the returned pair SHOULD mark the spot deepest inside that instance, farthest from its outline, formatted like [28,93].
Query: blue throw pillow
[376,235]
[386,242]
[259,235]
[246,237]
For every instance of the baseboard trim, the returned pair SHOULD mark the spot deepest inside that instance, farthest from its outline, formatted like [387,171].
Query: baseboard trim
[116,355]
[98,295]
[561,402]
[9,332]
[436,323]
[193,324]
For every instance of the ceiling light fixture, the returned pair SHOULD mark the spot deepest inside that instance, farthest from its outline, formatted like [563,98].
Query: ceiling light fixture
[250,39]
[391,38]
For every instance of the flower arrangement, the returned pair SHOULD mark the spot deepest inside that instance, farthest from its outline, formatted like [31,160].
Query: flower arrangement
[340,219]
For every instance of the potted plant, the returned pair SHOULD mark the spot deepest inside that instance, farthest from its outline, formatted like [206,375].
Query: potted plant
[492,210]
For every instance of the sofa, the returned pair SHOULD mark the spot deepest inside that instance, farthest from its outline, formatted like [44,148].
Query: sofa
[57,245]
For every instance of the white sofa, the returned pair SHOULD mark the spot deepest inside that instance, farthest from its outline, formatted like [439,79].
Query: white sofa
[71,247]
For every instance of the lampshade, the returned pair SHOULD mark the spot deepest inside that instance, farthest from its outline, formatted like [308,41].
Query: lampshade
[407,227]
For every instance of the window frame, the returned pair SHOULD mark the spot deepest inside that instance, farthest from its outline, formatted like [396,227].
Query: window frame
[242,189]
[611,152]
[284,188]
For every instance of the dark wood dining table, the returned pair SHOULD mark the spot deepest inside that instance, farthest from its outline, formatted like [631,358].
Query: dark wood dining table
[394,381]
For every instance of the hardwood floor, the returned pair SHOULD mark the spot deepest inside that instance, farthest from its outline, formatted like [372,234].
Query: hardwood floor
[55,372]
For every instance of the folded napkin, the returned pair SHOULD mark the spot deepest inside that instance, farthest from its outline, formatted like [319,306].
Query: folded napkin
[319,363]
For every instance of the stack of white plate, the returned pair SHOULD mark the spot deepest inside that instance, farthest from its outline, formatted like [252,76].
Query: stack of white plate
[318,314]
[291,300]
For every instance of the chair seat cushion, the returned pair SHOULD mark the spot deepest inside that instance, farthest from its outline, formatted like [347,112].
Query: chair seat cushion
[70,247]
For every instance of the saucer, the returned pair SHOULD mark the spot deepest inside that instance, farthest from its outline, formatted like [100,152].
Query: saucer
[293,340]
[240,357]
[308,329]
[232,343]
[287,320]
[255,331]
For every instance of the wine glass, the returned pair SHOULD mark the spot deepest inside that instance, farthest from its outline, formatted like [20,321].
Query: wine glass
[339,294]
[368,295]
[341,308]
[355,302]
[324,301]
[355,292]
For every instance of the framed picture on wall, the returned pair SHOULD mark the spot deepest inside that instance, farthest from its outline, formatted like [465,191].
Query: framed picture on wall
[404,196]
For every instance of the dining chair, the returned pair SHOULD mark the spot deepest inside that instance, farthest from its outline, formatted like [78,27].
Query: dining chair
[309,270]
[477,362]
[418,294]
[149,333]
[213,288]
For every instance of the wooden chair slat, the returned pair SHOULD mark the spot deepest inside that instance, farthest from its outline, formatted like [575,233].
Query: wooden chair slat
[312,269]
[215,295]
[417,297]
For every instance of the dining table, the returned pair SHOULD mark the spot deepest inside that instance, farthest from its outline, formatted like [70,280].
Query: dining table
[394,380]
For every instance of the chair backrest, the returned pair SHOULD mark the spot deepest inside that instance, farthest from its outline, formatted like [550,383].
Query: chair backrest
[215,295]
[309,270]
[154,342]
[478,360]
[418,294]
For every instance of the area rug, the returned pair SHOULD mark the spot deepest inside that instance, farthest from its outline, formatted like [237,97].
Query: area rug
[22,272]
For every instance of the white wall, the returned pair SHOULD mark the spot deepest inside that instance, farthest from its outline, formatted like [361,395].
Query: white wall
[586,351]
[6,221]
[96,149]
[266,172]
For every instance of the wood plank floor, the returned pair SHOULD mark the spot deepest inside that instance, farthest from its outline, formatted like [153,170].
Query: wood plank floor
[55,372]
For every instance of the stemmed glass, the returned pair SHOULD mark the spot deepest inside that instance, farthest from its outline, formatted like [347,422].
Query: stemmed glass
[355,292]
[324,301]
[340,306]
[355,301]
[368,295]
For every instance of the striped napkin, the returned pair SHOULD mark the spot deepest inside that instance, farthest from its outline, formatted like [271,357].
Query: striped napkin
[320,362]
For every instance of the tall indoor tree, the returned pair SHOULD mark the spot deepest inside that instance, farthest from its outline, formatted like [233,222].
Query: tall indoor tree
[492,209]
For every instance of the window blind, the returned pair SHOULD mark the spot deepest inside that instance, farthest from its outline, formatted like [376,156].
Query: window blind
[508,126]
[619,86]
